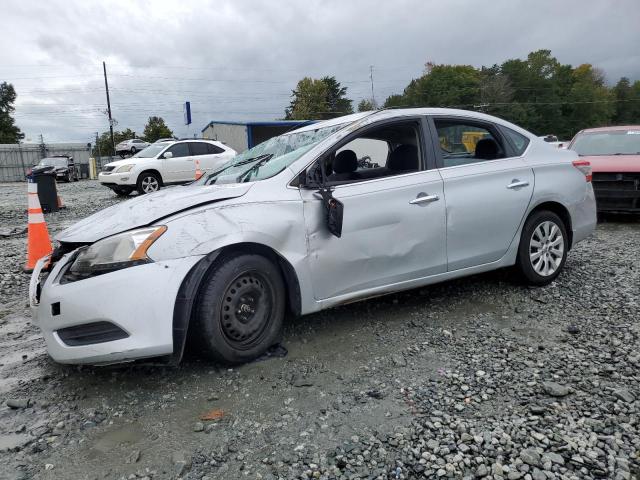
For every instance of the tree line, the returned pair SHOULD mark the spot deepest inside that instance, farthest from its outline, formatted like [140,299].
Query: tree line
[538,93]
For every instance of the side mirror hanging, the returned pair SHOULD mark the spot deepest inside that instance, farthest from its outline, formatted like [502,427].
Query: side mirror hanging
[333,208]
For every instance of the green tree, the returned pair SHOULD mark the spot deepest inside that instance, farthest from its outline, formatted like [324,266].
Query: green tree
[337,102]
[318,99]
[366,105]
[103,146]
[156,129]
[627,102]
[589,102]
[9,132]
[441,86]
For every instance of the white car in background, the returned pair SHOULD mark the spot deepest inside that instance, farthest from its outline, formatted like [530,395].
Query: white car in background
[131,147]
[166,163]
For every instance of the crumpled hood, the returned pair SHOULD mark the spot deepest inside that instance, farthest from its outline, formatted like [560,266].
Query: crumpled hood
[614,163]
[146,209]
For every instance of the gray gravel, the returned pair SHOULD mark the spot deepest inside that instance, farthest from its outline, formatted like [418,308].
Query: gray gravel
[476,378]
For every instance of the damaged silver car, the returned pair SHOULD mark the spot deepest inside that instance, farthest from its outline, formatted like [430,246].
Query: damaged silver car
[333,212]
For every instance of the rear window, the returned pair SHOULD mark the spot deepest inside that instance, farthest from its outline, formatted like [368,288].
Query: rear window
[198,148]
[518,142]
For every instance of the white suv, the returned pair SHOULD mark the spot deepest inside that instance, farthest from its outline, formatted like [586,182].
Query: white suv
[164,164]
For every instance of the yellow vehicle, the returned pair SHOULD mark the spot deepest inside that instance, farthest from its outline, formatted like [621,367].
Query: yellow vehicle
[470,139]
[464,142]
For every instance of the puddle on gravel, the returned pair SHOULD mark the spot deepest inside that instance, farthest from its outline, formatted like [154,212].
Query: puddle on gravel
[114,437]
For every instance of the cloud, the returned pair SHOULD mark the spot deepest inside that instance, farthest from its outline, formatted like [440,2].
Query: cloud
[241,59]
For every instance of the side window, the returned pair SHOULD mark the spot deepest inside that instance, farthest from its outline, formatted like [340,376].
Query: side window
[213,149]
[384,151]
[179,150]
[518,141]
[198,148]
[137,141]
[463,142]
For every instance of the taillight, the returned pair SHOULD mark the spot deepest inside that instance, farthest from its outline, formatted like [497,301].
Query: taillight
[585,167]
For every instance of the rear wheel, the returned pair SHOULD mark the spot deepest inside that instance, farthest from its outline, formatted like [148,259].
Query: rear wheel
[133,150]
[240,308]
[148,182]
[543,248]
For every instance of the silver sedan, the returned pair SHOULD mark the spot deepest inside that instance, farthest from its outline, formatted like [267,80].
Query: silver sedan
[331,213]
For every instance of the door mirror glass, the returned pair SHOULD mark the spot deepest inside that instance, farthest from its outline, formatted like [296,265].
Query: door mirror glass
[334,210]
[167,155]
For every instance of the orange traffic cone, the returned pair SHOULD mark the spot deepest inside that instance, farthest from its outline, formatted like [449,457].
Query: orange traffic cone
[198,171]
[38,242]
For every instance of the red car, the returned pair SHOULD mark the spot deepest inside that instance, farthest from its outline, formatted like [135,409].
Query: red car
[614,154]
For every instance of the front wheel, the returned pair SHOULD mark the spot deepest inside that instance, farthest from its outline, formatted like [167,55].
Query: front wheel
[240,309]
[122,191]
[133,151]
[543,248]
[148,182]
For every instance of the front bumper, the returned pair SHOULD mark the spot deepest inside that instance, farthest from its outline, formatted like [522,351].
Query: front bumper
[111,179]
[137,300]
[617,192]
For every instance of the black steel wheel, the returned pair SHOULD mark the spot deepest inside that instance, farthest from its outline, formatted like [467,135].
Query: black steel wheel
[240,308]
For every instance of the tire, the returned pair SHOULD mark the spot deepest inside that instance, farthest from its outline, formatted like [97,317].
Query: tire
[122,191]
[240,308]
[148,182]
[542,252]
[67,179]
[133,151]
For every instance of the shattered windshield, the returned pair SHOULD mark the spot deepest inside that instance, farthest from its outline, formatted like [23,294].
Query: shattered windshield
[269,158]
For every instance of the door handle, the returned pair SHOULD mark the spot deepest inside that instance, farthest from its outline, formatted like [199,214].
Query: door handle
[515,183]
[424,199]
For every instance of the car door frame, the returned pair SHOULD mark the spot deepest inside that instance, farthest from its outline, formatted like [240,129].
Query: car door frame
[427,164]
[179,176]
[511,155]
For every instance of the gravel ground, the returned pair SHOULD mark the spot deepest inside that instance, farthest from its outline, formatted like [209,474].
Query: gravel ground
[475,378]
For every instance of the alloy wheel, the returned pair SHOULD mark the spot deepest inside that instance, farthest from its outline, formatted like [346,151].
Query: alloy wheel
[150,184]
[546,248]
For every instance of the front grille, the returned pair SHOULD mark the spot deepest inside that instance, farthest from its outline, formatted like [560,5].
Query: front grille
[91,333]
[617,191]
[107,169]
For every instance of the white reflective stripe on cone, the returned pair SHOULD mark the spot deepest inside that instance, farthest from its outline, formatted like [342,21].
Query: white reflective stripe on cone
[32,187]
[36,218]
[33,201]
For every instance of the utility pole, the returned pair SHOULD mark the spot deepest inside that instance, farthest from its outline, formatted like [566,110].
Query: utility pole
[99,152]
[373,97]
[106,87]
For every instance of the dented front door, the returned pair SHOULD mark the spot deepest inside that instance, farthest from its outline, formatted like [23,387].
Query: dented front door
[393,231]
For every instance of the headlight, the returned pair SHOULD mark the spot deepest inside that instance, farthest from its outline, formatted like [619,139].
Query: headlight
[124,168]
[116,252]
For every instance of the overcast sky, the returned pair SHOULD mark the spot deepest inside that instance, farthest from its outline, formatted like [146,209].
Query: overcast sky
[239,60]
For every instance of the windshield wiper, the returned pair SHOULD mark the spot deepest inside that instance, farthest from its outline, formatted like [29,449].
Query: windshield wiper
[261,160]
[239,164]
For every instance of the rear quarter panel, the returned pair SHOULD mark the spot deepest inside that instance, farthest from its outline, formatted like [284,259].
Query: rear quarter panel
[557,180]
